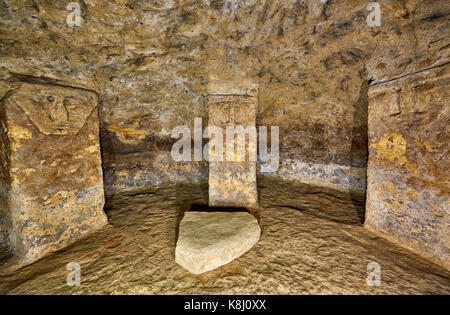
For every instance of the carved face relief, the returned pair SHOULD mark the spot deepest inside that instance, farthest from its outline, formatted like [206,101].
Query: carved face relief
[55,110]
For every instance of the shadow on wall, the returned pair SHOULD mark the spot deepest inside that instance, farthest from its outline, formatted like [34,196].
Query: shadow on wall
[5,181]
[359,152]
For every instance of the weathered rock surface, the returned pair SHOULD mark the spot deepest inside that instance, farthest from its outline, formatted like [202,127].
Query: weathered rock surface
[232,177]
[408,171]
[297,253]
[208,240]
[152,63]
[51,185]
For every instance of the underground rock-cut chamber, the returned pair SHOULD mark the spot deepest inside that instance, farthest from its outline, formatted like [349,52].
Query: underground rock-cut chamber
[104,121]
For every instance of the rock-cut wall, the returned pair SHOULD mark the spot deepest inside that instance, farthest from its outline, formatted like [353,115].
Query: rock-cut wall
[314,62]
[408,178]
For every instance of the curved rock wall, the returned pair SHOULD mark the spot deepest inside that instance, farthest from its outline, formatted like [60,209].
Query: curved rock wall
[151,63]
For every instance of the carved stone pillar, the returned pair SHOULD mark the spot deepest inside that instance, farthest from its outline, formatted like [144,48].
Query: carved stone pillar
[232,181]
[408,178]
[51,185]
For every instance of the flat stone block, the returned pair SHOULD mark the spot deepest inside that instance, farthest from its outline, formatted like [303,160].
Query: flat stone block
[208,240]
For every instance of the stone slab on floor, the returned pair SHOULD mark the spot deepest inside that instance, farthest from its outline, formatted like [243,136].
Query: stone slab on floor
[208,240]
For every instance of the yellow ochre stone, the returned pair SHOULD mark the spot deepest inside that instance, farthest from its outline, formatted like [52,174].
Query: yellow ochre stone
[51,205]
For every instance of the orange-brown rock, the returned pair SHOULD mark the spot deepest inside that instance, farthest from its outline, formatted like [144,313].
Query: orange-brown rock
[153,64]
[232,178]
[407,195]
[51,176]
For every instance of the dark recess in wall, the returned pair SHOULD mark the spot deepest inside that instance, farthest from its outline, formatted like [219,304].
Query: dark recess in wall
[359,149]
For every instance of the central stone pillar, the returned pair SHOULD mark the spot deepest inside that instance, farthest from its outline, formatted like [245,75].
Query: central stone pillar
[232,182]
[208,240]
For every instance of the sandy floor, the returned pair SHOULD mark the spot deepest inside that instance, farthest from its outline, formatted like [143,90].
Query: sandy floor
[299,253]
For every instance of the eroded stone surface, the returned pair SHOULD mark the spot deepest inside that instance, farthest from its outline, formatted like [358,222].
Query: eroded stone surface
[408,163]
[153,62]
[297,253]
[208,240]
[232,180]
[51,183]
